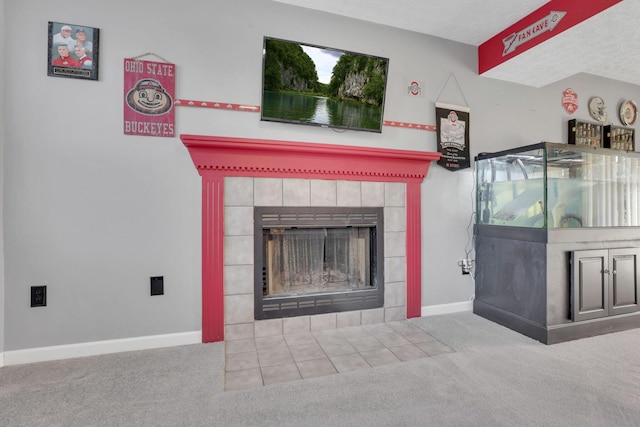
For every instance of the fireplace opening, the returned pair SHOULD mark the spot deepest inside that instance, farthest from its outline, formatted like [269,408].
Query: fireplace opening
[317,260]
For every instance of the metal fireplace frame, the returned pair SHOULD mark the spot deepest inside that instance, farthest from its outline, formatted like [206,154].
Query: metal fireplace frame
[318,217]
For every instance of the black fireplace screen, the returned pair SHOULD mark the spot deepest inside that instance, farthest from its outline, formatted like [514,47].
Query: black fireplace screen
[317,260]
[307,261]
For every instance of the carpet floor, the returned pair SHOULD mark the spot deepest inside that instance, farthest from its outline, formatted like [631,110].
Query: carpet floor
[491,377]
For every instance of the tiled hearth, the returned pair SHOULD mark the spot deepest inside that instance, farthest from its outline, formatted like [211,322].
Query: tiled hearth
[268,360]
[242,194]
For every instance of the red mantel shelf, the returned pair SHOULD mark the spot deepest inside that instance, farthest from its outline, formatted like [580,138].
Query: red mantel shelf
[239,156]
[217,157]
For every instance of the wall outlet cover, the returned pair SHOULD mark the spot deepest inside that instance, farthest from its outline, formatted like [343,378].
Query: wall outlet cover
[39,296]
[157,285]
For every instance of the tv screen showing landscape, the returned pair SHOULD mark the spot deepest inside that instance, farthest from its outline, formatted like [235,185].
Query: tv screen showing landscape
[314,85]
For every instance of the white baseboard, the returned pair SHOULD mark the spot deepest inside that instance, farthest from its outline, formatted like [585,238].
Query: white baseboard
[456,307]
[58,352]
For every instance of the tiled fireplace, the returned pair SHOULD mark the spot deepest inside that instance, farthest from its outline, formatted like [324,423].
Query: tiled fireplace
[243,194]
[240,175]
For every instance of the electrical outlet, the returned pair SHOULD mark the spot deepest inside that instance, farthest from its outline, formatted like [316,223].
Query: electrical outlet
[465,265]
[39,296]
[157,285]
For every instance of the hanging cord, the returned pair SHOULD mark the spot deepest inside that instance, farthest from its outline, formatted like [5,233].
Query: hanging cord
[466,103]
[152,54]
[469,247]
[468,264]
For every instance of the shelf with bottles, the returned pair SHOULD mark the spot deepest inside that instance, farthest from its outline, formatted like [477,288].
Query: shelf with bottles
[619,138]
[585,133]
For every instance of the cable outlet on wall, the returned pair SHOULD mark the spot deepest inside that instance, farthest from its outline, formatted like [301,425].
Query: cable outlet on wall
[157,285]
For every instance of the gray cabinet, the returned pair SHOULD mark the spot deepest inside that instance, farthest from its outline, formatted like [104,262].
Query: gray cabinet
[542,206]
[604,282]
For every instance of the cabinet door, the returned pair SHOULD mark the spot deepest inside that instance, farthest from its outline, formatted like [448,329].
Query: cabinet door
[589,284]
[623,286]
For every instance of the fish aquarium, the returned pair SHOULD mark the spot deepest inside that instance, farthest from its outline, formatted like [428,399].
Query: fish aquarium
[551,185]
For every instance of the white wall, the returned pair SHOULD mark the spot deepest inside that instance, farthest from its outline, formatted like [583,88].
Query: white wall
[2,132]
[93,213]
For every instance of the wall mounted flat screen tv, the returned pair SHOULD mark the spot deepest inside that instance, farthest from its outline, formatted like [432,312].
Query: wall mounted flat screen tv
[315,85]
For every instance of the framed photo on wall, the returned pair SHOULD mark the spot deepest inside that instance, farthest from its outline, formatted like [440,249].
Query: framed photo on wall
[73,51]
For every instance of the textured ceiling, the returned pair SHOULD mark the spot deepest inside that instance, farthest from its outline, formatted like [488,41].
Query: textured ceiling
[605,45]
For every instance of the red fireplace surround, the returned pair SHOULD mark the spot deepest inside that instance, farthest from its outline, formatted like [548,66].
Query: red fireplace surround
[217,157]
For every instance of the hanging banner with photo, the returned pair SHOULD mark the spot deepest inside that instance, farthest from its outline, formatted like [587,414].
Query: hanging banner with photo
[452,124]
[149,93]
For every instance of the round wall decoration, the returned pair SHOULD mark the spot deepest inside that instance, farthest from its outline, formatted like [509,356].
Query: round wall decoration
[628,113]
[597,109]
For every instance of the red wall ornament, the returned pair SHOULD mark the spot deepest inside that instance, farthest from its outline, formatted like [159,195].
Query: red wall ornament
[570,100]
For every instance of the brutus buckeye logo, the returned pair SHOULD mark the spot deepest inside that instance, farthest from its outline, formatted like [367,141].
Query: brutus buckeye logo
[149,97]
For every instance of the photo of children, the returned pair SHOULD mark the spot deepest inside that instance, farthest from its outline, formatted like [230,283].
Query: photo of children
[73,51]
[64,59]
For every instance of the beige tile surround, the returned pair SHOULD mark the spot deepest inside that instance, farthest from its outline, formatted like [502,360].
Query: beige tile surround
[242,194]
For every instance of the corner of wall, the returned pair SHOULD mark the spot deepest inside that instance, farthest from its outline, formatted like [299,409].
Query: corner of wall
[456,307]
[2,97]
